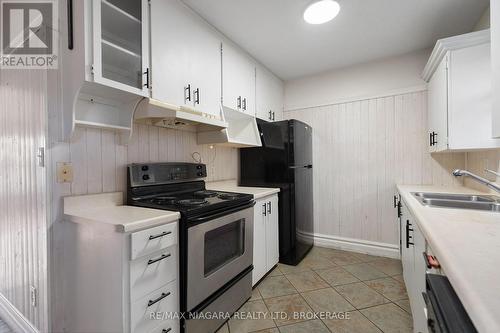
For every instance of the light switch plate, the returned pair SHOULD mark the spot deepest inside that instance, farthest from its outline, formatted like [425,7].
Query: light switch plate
[64,172]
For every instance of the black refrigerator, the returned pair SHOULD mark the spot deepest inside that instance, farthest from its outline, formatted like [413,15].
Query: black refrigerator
[285,161]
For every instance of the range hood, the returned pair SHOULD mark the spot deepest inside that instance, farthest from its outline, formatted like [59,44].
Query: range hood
[154,112]
[241,131]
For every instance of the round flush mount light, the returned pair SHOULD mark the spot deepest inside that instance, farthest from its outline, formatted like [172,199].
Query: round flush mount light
[322,11]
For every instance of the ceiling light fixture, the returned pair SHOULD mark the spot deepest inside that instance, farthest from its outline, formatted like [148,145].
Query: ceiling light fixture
[320,12]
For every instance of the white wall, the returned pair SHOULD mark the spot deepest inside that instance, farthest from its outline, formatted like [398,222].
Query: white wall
[384,77]
[495,60]
[361,150]
[23,222]
[484,21]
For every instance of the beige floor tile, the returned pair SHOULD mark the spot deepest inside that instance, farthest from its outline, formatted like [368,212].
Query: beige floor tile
[344,258]
[388,266]
[366,257]
[269,330]
[404,304]
[275,272]
[337,276]
[389,287]
[400,278]
[390,318]
[273,286]
[289,269]
[291,305]
[223,329]
[314,261]
[354,322]
[364,271]
[255,295]
[360,295]
[310,326]
[327,300]
[305,281]
[244,325]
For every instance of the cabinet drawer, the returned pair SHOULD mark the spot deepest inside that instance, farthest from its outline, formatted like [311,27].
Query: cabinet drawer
[167,326]
[150,272]
[154,239]
[162,302]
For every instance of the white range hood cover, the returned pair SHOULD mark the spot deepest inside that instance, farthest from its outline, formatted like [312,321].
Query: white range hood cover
[241,131]
[153,112]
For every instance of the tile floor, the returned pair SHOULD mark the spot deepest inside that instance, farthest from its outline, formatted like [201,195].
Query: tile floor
[369,289]
[4,328]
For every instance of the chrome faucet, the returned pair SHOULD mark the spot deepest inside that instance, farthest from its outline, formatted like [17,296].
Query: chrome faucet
[465,173]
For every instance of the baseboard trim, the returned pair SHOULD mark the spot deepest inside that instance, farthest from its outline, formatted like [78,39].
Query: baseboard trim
[15,319]
[357,245]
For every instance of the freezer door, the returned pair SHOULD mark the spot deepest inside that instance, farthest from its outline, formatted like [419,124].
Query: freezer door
[300,144]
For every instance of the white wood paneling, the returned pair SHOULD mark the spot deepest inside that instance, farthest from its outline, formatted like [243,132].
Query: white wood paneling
[23,221]
[361,149]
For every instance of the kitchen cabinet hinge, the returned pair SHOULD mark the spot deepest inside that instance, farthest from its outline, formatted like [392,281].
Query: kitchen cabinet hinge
[92,69]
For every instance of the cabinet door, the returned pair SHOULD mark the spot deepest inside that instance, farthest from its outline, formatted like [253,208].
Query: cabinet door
[272,236]
[259,241]
[419,307]
[120,31]
[495,62]
[238,77]
[185,57]
[438,107]
[269,96]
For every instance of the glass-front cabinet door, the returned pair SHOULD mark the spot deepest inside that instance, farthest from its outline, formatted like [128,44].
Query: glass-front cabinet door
[121,44]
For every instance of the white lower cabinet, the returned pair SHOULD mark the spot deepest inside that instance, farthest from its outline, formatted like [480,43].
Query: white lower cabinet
[266,237]
[414,268]
[121,282]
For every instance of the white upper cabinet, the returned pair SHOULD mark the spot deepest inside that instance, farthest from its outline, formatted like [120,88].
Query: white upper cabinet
[495,61]
[186,66]
[121,44]
[238,78]
[105,63]
[269,95]
[460,94]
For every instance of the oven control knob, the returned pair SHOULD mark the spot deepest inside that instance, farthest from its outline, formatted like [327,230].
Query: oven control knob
[145,177]
[198,167]
[145,168]
[200,174]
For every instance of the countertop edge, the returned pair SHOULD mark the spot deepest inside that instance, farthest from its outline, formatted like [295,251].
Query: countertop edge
[476,310]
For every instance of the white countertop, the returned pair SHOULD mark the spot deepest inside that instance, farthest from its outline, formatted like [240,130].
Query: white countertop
[108,208]
[232,186]
[467,245]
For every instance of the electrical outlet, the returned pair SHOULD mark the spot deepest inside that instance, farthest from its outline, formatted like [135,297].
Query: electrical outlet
[64,172]
[33,296]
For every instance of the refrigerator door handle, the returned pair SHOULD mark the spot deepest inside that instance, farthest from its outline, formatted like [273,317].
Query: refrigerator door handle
[309,166]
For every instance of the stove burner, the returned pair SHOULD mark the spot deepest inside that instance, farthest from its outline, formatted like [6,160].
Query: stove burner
[192,202]
[162,200]
[228,196]
[205,194]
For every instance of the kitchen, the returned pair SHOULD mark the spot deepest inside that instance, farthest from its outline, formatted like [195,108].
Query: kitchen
[312,161]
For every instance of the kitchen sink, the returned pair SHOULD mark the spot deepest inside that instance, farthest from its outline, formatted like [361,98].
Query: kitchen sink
[460,201]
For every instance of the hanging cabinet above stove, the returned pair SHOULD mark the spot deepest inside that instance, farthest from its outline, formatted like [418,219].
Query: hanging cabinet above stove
[105,62]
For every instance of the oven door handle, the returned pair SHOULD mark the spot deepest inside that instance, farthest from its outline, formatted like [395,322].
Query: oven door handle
[220,214]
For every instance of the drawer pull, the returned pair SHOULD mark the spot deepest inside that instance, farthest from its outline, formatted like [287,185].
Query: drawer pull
[165,233]
[163,256]
[166,330]
[163,295]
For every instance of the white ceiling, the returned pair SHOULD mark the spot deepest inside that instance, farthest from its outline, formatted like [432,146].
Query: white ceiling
[274,32]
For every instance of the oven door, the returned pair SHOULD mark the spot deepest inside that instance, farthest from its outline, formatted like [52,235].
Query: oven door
[218,250]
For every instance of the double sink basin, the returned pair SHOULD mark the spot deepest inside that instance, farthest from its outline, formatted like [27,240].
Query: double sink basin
[460,201]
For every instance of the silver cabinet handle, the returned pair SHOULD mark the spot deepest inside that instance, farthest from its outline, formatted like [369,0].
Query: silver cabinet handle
[165,233]
[163,256]
[269,207]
